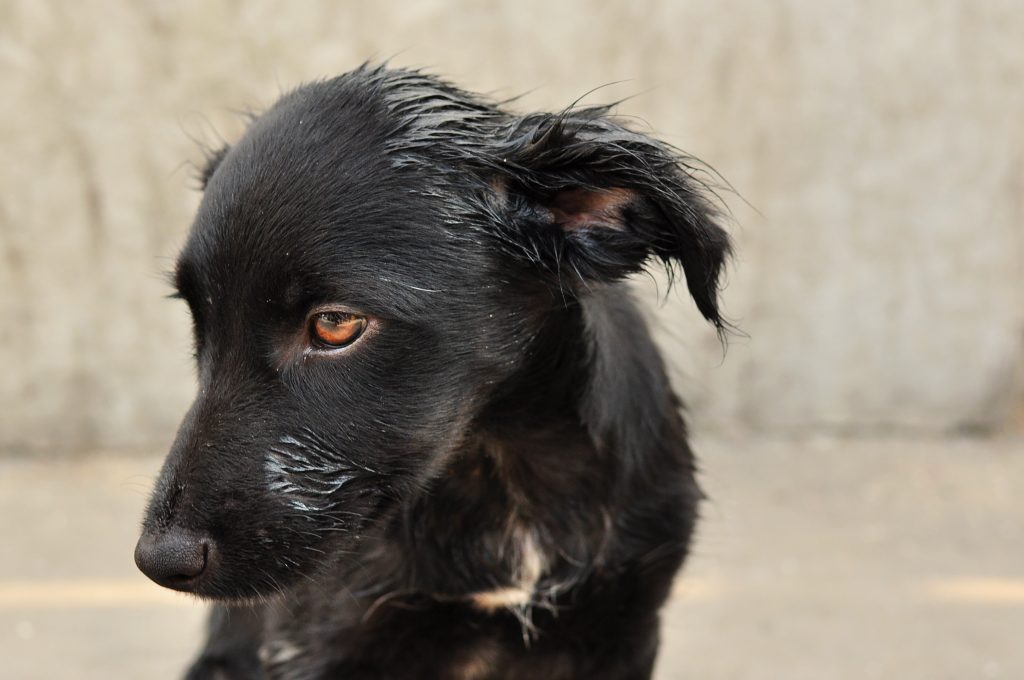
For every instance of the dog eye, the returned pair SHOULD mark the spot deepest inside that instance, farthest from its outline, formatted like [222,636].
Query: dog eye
[336,329]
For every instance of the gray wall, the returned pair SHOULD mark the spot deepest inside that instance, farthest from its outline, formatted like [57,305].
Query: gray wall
[882,145]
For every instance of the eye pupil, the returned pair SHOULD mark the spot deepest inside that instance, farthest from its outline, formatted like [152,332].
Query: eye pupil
[337,329]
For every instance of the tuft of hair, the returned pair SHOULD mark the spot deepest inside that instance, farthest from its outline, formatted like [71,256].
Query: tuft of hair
[211,159]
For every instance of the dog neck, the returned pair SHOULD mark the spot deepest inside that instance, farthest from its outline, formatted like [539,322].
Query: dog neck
[523,511]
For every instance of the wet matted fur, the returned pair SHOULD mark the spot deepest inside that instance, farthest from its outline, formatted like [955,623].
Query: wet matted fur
[493,479]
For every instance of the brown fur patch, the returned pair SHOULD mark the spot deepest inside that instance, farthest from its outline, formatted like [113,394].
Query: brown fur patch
[578,208]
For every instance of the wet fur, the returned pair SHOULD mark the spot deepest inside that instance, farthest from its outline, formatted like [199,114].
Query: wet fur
[496,483]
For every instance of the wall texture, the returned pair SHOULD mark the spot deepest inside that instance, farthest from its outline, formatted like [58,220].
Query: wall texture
[878,280]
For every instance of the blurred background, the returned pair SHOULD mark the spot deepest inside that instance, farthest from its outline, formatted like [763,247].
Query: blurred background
[862,441]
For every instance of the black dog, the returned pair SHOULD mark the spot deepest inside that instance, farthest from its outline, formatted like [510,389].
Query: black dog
[433,438]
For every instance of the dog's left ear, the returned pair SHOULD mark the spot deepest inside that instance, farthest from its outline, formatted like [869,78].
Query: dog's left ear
[593,201]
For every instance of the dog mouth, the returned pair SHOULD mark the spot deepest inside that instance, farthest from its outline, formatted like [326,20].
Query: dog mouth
[209,574]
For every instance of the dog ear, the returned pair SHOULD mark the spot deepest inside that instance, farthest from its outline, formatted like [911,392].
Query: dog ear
[592,201]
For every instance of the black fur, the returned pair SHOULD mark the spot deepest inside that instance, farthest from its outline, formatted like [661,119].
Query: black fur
[494,481]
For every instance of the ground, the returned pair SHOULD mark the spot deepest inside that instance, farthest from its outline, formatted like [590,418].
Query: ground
[816,560]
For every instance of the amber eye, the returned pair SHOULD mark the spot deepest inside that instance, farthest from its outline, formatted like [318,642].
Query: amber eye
[336,329]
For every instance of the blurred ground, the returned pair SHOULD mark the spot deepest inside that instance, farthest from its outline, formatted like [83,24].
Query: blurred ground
[817,560]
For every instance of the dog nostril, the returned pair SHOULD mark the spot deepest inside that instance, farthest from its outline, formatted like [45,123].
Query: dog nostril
[173,558]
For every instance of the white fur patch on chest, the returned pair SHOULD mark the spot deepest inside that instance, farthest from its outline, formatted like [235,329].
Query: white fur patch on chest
[529,565]
[278,652]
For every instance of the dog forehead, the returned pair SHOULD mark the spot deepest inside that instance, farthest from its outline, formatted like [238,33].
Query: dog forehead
[300,165]
[311,181]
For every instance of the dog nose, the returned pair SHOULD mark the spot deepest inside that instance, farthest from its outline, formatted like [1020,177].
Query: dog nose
[174,558]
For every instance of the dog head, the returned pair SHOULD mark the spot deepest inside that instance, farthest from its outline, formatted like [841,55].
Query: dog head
[370,262]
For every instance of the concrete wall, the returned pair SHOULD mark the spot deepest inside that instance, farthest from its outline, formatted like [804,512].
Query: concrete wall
[879,279]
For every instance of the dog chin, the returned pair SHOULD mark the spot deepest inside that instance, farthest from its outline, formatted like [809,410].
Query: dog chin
[226,585]
[238,593]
